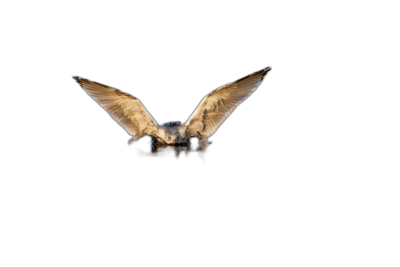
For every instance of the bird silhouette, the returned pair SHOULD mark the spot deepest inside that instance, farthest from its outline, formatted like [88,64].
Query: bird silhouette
[212,111]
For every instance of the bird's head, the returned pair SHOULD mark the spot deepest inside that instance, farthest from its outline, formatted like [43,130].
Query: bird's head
[172,124]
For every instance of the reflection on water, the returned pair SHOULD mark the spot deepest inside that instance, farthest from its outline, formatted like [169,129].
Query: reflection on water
[157,147]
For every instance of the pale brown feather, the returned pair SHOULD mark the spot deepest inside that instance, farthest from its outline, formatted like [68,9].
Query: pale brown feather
[215,108]
[125,109]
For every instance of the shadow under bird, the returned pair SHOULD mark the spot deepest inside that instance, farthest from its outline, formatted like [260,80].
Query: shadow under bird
[212,111]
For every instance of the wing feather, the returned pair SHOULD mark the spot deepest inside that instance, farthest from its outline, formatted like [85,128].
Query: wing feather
[216,107]
[125,109]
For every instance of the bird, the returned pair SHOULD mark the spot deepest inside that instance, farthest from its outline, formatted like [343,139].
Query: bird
[209,115]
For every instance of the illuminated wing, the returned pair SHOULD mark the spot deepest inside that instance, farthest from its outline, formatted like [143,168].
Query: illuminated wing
[125,109]
[219,104]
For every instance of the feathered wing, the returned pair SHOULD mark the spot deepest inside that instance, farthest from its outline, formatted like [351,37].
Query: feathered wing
[219,104]
[125,109]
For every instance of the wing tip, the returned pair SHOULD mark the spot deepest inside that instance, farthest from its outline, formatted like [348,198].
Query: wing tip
[260,74]
[267,69]
[264,72]
[78,79]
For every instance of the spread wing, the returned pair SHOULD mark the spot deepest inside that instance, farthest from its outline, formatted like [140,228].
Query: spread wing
[125,109]
[219,104]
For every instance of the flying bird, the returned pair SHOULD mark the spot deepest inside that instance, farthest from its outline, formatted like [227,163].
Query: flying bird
[212,111]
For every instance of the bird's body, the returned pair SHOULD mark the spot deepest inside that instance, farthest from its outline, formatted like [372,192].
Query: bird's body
[171,133]
[212,111]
